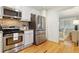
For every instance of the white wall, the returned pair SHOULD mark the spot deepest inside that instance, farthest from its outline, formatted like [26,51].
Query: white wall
[52,26]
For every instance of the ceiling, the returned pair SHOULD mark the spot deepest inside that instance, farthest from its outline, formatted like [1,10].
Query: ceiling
[70,12]
[63,10]
[51,7]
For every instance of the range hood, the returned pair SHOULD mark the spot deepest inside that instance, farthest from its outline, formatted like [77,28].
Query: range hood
[7,12]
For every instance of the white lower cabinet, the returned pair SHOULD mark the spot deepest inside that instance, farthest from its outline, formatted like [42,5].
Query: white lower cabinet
[28,38]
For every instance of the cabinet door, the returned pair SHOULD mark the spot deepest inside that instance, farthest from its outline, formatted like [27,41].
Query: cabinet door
[26,38]
[25,14]
[31,36]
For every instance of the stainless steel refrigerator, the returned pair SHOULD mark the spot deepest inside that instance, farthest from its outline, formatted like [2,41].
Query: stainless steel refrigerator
[38,24]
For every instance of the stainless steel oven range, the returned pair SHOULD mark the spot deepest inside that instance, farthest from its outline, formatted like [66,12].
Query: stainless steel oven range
[10,45]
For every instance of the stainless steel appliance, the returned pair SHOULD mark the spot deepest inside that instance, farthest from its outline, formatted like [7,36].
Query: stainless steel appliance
[38,25]
[8,12]
[9,44]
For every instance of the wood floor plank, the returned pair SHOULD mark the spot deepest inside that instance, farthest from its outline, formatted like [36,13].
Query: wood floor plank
[51,47]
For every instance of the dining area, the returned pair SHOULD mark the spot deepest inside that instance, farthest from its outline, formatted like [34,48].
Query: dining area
[70,31]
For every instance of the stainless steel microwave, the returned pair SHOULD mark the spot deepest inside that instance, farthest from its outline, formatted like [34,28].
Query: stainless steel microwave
[7,12]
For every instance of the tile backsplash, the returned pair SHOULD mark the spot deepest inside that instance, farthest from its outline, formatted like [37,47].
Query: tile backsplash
[12,22]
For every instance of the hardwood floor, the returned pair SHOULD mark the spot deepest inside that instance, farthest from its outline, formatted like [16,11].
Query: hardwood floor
[51,47]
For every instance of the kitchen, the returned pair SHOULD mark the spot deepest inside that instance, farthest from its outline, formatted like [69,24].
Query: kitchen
[38,29]
[34,29]
[18,28]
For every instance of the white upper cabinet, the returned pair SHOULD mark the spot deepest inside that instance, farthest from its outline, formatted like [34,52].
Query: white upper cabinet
[25,14]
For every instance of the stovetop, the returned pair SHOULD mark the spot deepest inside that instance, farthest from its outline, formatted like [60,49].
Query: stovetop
[10,31]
